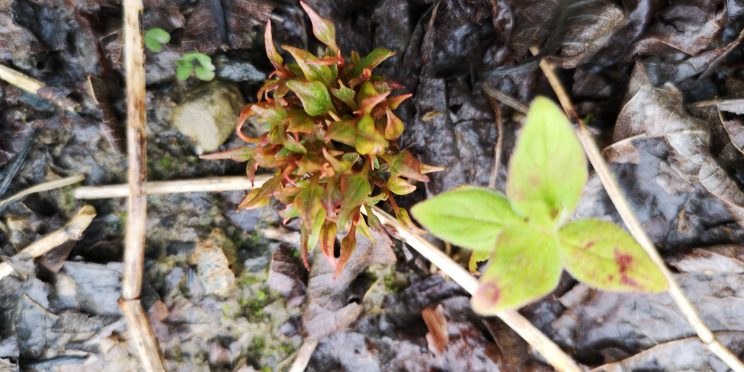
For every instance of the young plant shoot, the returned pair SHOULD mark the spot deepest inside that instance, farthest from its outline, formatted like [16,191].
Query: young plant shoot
[525,235]
[326,126]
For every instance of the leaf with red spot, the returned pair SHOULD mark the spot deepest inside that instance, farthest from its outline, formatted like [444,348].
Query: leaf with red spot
[524,267]
[605,256]
[323,28]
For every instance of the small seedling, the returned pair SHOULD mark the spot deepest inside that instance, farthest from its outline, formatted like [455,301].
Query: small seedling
[326,126]
[525,235]
[195,63]
[155,38]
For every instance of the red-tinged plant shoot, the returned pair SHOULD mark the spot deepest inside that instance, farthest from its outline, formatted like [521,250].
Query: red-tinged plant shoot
[524,235]
[327,128]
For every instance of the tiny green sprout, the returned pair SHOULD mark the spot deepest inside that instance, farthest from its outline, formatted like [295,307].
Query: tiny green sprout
[195,63]
[155,38]
[525,235]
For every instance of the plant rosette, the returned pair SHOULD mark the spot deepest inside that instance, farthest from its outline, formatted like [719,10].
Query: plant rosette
[525,235]
[326,127]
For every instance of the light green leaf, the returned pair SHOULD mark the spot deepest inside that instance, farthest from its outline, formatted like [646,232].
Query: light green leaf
[372,60]
[314,96]
[470,217]
[155,38]
[184,70]
[368,139]
[312,72]
[204,73]
[605,256]
[524,267]
[548,169]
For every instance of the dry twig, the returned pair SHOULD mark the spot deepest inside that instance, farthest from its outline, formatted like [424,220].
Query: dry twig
[33,86]
[46,186]
[134,237]
[634,226]
[73,230]
[215,184]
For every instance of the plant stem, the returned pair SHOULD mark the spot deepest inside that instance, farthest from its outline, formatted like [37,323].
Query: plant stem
[634,226]
[214,184]
[32,86]
[134,237]
[46,186]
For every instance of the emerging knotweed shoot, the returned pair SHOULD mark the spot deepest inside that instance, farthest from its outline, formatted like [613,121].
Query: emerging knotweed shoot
[524,235]
[155,38]
[195,63]
[326,126]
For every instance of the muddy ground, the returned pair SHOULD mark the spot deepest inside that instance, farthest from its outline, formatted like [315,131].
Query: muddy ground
[659,82]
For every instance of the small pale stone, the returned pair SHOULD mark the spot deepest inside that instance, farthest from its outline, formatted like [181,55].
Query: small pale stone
[208,115]
[212,264]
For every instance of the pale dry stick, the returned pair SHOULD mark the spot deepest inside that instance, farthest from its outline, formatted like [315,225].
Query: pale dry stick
[141,334]
[545,346]
[215,184]
[497,148]
[31,85]
[634,226]
[505,99]
[134,236]
[304,355]
[46,186]
[73,230]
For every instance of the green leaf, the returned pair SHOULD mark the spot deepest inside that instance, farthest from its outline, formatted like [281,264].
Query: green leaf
[184,70]
[605,256]
[293,145]
[547,170]
[399,186]
[470,217]
[355,189]
[323,28]
[346,95]
[343,131]
[314,96]
[204,73]
[369,140]
[372,60]
[404,164]
[155,38]
[308,203]
[524,267]
[312,72]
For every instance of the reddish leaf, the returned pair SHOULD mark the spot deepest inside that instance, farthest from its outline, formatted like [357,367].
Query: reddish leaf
[312,72]
[406,165]
[394,127]
[348,244]
[328,241]
[275,58]
[394,102]
[323,28]
[355,189]
[260,197]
